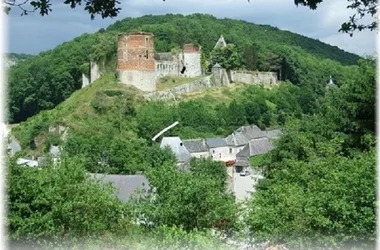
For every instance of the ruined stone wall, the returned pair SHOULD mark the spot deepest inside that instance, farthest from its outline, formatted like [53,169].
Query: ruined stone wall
[192,60]
[190,87]
[219,76]
[136,65]
[164,68]
[94,72]
[143,80]
[266,78]
[85,80]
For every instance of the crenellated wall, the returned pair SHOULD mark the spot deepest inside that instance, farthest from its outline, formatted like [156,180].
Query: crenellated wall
[165,68]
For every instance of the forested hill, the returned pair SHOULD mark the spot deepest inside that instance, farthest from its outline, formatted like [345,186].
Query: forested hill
[41,82]
[14,58]
[172,30]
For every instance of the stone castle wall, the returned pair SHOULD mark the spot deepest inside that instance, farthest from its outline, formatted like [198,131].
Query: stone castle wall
[190,87]
[218,78]
[136,65]
[265,78]
[95,72]
[192,60]
[165,68]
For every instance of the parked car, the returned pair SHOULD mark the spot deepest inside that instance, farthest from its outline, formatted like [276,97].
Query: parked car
[244,173]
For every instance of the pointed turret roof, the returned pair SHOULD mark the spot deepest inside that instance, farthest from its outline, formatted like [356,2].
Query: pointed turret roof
[331,83]
[221,42]
[216,65]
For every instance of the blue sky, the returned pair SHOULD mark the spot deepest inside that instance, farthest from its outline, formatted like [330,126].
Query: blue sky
[32,34]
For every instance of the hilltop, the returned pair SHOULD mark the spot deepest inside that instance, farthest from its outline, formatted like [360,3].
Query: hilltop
[43,81]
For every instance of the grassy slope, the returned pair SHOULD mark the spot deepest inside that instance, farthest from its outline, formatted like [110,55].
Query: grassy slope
[77,111]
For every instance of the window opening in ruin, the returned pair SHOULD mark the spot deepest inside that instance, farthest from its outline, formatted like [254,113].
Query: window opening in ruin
[146,54]
[183,70]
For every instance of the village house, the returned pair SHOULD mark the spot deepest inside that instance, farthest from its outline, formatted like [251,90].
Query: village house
[255,147]
[241,137]
[218,149]
[180,151]
[126,186]
[197,148]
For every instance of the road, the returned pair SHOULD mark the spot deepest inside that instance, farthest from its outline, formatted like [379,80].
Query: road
[244,185]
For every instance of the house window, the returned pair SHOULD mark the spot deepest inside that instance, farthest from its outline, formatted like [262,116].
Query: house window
[201,156]
[213,151]
[146,54]
[220,155]
[230,150]
[181,144]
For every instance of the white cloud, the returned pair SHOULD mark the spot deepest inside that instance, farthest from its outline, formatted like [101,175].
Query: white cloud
[32,34]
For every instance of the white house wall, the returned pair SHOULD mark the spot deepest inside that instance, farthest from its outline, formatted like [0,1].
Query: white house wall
[220,153]
[201,155]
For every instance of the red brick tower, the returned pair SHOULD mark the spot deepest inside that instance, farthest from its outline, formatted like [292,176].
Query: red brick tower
[136,64]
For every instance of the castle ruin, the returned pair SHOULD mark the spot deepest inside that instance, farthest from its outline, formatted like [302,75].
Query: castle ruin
[140,66]
[137,65]
[135,60]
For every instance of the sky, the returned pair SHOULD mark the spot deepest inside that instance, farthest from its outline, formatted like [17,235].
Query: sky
[33,33]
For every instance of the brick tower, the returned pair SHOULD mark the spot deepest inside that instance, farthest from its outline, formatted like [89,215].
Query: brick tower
[136,64]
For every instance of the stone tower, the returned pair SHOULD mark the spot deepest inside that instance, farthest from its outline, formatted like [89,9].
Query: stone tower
[219,75]
[192,60]
[136,64]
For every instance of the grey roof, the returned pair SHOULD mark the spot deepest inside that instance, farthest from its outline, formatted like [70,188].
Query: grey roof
[256,147]
[165,56]
[243,135]
[126,185]
[178,148]
[237,139]
[195,145]
[216,142]
[217,65]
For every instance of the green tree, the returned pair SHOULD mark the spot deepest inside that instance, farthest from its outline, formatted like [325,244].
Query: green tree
[59,200]
[250,57]
[186,199]
[228,57]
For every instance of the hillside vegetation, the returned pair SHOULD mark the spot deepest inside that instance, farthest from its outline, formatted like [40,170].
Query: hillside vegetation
[45,80]
[319,186]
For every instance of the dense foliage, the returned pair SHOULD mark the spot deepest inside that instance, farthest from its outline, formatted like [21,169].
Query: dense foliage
[320,184]
[194,199]
[45,80]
